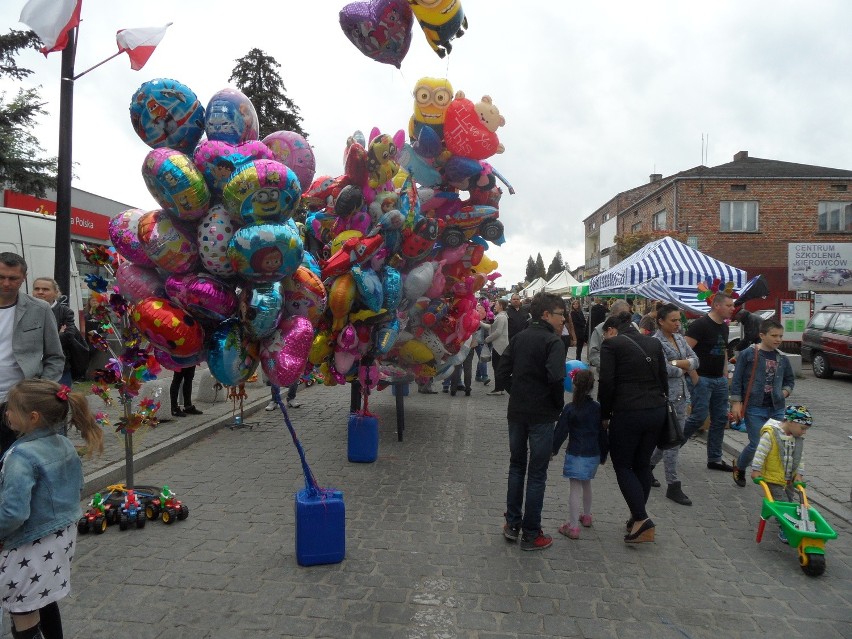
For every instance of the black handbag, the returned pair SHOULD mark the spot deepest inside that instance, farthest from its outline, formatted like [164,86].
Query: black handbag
[671,435]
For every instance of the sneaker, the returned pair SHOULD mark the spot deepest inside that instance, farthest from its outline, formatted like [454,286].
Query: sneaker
[572,532]
[494,392]
[739,476]
[486,381]
[292,403]
[539,542]
[739,426]
[782,536]
[271,406]
[586,520]
[720,465]
[511,532]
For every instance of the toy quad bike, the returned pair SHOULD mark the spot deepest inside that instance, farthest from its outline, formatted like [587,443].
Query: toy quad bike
[131,512]
[166,507]
[803,526]
[97,517]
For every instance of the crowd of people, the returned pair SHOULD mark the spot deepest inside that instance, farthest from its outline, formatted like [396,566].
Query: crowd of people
[641,362]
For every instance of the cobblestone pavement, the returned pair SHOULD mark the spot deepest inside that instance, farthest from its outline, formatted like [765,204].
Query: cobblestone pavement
[425,554]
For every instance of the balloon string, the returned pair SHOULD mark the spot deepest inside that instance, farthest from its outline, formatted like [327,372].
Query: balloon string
[311,484]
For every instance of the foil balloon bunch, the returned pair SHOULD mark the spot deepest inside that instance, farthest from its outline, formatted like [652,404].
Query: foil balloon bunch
[401,238]
[381,29]
[218,272]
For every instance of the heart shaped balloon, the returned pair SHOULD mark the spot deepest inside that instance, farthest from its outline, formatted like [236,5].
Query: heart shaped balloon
[380,29]
[283,355]
[465,132]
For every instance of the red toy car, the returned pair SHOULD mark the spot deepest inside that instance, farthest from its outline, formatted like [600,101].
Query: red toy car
[473,220]
[166,507]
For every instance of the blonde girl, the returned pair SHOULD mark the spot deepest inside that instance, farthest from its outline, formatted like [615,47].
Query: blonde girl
[41,481]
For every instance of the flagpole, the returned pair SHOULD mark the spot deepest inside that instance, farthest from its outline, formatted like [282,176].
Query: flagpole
[114,55]
[62,266]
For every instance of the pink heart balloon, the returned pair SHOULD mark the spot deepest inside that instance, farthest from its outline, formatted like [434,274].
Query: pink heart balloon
[380,29]
[284,354]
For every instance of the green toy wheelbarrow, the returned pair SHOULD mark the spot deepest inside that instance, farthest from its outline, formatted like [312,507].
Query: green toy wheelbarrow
[805,528]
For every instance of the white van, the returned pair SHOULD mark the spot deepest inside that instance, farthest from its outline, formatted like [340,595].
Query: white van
[33,236]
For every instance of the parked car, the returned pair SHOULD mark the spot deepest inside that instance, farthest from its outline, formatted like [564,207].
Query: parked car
[827,341]
[836,276]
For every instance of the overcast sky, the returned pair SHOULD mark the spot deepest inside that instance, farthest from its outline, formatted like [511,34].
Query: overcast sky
[596,96]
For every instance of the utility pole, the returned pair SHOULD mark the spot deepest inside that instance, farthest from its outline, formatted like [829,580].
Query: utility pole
[62,265]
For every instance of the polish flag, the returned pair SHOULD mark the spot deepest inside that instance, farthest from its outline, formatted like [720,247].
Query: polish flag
[52,20]
[140,43]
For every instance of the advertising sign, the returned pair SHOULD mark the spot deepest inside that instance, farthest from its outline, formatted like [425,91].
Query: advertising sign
[824,266]
[83,223]
[794,317]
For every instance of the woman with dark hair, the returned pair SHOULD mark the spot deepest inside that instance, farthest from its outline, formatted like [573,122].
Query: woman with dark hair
[681,362]
[633,389]
[580,328]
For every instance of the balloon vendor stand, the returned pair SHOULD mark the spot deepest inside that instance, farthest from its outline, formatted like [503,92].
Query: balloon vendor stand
[320,512]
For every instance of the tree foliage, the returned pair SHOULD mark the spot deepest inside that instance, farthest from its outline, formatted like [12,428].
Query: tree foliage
[629,243]
[256,75]
[540,271]
[23,166]
[530,272]
[556,266]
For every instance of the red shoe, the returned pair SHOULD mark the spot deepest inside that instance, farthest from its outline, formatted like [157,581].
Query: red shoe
[539,542]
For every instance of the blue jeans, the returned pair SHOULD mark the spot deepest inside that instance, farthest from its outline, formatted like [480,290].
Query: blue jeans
[709,396]
[537,440]
[755,418]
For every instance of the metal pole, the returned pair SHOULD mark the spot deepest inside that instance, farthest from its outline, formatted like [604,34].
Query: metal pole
[62,266]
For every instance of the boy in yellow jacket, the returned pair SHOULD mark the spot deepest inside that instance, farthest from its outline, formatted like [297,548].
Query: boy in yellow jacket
[778,459]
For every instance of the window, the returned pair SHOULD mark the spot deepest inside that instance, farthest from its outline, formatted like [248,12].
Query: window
[838,187]
[738,216]
[738,187]
[636,228]
[835,216]
[820,320]
[658,222]
[843,324]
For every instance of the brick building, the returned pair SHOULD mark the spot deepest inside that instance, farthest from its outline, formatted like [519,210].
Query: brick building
[744,213]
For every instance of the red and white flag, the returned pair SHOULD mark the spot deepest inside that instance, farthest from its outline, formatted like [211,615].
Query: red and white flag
[52,20]
[140,43]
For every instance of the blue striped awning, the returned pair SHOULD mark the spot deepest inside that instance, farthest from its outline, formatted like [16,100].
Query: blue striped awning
[667,270]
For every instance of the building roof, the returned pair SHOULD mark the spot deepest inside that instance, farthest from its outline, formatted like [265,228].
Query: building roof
[748,167]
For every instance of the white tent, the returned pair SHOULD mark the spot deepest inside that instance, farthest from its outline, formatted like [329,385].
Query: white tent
[561,283]
[666,270]
[534,287]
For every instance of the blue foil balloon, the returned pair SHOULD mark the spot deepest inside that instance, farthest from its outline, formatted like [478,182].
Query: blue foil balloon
[386,337]
[571,365]
[166,113]
[261,308]
[310,262]
[266,252]
[228,354]
[369,287]
[392,284]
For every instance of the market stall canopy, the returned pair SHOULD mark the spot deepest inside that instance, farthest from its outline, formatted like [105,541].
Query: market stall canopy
[561,283]
[534,287]
[666,270]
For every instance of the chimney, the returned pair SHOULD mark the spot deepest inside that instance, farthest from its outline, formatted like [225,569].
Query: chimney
[740,156]
[656,177]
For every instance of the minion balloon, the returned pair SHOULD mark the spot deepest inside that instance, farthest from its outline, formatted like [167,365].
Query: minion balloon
[441,21]
[432,96]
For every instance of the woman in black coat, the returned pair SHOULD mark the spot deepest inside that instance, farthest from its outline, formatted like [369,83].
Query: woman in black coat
[633,387]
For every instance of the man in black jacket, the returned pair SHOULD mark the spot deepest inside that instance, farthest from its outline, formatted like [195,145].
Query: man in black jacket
[46,288]
[532,370]
[518,317]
